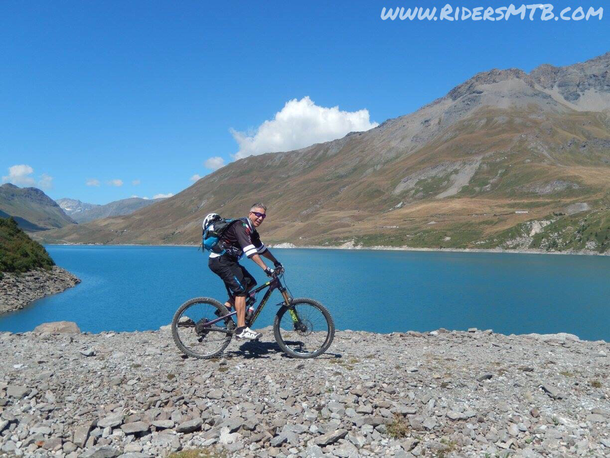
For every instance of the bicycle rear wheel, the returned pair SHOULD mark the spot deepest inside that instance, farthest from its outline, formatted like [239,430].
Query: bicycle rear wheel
[305,329]
[191,333]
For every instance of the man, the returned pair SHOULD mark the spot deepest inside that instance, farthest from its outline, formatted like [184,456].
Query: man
[242,238]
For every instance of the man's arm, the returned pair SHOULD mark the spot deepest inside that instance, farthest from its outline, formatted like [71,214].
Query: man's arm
[270,256]
[257,259]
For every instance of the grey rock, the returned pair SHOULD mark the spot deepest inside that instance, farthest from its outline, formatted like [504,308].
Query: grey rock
[364,409]
[215,394]
[111,421]
[100,452]
[54,443]
[135,455]
[416,422]
[330,438]
[405,410]
[81,434]
[45,430]
[17,391]
[190,426]
[88,352]
[232,424]
[135,427]
[430,423]
[452,415]
[9,446]
[278,440]
[346,450]
[313,451]
[163,424]
[513,430]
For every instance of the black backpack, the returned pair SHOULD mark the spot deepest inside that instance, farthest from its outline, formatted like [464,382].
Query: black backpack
[214,226]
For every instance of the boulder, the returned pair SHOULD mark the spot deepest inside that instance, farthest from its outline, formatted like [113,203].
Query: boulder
[58,327]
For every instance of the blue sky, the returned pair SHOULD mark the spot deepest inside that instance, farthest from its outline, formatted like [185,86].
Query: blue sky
[150,90]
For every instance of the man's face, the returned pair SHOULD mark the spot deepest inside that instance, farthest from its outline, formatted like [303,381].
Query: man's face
[257,216]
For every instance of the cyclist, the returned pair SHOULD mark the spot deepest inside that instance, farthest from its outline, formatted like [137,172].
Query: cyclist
[239,239]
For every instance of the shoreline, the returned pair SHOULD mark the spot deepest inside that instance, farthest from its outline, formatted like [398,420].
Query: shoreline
[362,248]
[18,291]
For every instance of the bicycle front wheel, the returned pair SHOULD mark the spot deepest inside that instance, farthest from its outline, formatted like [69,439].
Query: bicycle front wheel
[192,333]
[305,329]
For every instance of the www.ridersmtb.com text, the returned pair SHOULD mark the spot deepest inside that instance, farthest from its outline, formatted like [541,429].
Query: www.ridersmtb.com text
[534,12]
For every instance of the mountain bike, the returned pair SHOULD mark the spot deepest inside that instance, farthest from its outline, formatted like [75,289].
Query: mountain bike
[303,328]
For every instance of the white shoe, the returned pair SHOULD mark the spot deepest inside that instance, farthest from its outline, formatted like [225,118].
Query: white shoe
[247,333]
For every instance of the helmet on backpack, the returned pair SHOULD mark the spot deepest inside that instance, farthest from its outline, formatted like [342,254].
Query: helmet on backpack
[210,219]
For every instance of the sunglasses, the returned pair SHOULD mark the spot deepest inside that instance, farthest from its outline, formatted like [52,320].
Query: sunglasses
[259,215]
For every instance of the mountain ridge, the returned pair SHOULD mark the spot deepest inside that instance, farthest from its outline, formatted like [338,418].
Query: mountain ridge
[31,208]
[83,212]
[484,148]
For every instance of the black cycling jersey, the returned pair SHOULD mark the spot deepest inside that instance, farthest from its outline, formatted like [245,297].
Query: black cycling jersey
[241,238]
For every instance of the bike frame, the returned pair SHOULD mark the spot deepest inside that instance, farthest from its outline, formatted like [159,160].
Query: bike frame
[272,284]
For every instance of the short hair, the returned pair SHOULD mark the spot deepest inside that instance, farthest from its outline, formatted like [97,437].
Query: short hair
[258,205]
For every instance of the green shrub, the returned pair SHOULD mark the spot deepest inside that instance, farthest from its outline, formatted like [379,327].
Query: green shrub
[18,252]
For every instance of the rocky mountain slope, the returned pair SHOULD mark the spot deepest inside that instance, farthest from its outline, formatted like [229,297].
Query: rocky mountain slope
[27,272]
[506,159]
[442,394]
[31,208]
[82,212]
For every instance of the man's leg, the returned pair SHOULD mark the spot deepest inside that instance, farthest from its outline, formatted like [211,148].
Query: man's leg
[240,306]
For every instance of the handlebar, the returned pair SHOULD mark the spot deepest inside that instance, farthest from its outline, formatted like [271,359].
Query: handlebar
[278,271]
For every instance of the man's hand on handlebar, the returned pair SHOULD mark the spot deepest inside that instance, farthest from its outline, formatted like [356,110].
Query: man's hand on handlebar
[272,273]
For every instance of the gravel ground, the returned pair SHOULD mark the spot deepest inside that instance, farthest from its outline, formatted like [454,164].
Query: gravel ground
[442,393]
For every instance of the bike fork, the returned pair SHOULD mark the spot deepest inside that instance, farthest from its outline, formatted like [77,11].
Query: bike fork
[293,313]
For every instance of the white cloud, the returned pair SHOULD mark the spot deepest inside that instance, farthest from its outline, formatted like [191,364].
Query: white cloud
[299,124]
[136,182]
[214,163]
[46,182]
[19,175]
[162,196]
[195,178]
[117,183]
[93,182]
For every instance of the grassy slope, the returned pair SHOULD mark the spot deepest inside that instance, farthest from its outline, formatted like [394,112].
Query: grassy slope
[19,253]
[325,197]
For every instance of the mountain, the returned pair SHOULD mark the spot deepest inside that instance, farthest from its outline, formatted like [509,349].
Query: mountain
[82,212]
[75,208]
[31,208]
[506,159]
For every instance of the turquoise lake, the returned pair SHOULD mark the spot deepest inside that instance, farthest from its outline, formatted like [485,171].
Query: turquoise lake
[139,288]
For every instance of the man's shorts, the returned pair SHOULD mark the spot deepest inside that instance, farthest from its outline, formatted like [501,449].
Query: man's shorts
[236,278]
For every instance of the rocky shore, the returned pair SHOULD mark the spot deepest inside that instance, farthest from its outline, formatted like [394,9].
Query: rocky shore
[442,393]
[18,290]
